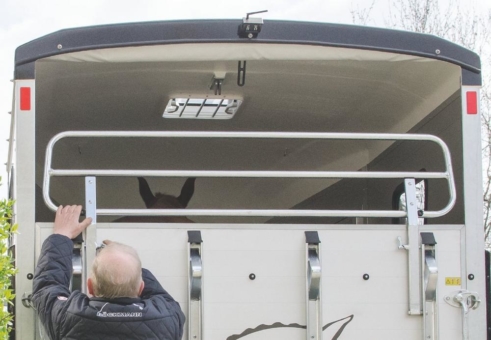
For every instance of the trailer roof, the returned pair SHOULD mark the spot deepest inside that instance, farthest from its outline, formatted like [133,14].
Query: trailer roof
[217,31]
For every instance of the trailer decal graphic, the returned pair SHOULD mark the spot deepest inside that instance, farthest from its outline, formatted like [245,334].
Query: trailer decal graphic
[259,328]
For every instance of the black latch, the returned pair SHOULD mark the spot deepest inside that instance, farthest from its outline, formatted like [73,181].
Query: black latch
[250,27]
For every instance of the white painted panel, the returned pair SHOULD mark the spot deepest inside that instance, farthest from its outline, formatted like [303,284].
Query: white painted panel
[272,306]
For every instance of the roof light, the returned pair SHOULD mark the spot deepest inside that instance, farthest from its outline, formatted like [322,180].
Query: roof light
[201,108]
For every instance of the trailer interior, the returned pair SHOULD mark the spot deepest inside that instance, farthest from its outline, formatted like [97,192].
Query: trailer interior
[285,88]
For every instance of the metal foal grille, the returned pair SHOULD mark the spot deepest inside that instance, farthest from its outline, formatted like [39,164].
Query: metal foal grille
[446,175]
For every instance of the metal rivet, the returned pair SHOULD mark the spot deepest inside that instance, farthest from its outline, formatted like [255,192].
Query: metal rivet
[366,277]
[60,46]
[252,276]
[437,51]
[250,36]
[30,276]
[470,277]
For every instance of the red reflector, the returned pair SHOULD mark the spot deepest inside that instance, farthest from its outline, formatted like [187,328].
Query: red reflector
[471,102]
[25,98]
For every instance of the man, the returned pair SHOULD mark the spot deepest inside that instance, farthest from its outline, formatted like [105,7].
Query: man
[126,301]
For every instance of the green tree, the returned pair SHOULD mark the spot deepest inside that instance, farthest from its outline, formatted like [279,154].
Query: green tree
[7,268]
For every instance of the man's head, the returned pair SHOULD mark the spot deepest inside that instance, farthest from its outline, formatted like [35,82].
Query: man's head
[116,272]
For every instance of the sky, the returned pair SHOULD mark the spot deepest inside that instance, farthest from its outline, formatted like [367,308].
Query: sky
[22,21]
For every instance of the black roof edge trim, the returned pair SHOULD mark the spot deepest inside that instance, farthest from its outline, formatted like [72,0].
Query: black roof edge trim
[25,71]
[366,48]
[470,78]
[224,31]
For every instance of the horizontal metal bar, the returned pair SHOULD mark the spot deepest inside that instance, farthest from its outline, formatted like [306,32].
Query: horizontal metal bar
[242,173]
[251,212]
[252,134]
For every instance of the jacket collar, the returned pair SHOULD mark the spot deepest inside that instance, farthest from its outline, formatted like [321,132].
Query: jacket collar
[119,301]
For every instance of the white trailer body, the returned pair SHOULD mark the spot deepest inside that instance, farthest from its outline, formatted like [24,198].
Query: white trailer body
[303,139]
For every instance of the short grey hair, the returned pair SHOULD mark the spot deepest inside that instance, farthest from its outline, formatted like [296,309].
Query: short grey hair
[113,281]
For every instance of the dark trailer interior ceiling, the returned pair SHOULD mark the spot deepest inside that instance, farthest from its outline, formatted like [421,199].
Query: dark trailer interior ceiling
[291,84]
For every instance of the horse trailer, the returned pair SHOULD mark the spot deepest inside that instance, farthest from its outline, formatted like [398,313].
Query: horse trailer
[332,173]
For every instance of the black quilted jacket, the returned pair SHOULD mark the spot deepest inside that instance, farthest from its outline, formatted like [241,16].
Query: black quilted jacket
[65,315]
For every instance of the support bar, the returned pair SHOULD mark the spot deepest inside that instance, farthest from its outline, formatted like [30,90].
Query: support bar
[195,305]
[415,307]
[90,234]
[313,285]
[429,280]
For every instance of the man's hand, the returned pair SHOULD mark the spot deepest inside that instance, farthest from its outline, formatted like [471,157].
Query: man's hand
[67,221]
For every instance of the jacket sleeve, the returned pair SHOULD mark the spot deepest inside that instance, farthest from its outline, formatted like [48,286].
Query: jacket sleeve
[52,281]
[154,290]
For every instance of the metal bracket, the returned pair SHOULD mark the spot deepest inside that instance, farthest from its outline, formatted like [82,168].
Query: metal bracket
[216,85]
[91,198]
[241,73]
[429,279]
[76,280]
[313,286]
[195,273]
[232,107]
[400,245]
[195,270]
[313,273]
[26,300]
[466,300]
[89,246]
[412,247]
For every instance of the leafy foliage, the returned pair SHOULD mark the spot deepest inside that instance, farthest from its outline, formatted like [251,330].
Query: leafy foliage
[7,268]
